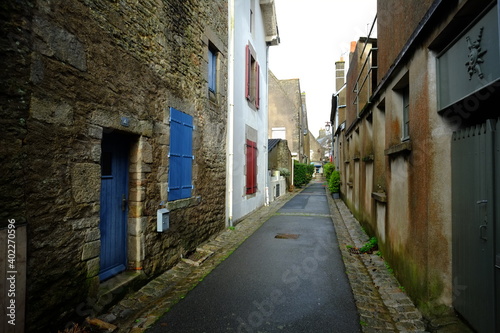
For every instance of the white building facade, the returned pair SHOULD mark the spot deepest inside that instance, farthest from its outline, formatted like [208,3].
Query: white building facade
[252,29]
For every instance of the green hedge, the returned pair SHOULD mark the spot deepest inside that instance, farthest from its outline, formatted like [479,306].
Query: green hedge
[328,168]
[302,173]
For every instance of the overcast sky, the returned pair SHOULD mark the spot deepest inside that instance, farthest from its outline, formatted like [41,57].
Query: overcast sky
[314,35]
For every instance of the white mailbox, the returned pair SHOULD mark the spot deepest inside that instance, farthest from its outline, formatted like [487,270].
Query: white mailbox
[163,219]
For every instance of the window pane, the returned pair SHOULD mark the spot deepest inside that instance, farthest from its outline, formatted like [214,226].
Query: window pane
[212,70]
[406,115]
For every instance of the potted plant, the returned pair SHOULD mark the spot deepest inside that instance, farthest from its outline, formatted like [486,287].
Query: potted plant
[334,184]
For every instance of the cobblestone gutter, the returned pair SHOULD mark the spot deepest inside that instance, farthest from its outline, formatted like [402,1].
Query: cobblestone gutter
[381,302]
[382,305]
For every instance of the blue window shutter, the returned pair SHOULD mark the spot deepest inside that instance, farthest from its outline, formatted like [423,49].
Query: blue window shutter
[181,155]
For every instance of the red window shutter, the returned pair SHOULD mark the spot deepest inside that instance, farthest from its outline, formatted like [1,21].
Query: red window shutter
[254,167]
[257,86]
[251,159]
[248,68]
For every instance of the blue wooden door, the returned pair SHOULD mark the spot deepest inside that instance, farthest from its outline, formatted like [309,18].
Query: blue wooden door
[114,208]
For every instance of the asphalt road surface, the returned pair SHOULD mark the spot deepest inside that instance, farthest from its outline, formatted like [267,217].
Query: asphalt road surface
[287,277]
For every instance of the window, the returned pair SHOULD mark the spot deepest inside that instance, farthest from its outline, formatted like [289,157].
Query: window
[278,133]
[252,77]
[406,112]
[212,69]
[251,159]
[180,156]
[402,104]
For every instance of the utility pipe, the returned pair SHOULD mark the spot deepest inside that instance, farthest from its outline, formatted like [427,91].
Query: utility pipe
[230,117]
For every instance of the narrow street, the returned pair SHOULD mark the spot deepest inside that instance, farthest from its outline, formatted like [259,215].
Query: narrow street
[287,277]
[250,166]
[282,269]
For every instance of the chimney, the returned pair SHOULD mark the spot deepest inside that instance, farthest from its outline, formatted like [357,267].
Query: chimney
[353,49]
[339,74]
[340,81]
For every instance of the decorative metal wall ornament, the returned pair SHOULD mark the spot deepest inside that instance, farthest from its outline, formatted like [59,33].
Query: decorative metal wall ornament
[475,56]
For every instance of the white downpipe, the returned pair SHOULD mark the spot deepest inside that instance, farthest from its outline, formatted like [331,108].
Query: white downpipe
[266,128]
[230,117]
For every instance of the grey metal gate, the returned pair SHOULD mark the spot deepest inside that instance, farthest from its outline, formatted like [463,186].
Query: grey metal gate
[474,204]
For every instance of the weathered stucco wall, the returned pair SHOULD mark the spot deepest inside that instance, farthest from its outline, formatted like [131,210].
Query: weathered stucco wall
[285,110]
[396,21]
[410,211]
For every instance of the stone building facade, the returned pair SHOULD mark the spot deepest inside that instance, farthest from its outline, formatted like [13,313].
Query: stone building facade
[415,155]
[92,93]
[288,116]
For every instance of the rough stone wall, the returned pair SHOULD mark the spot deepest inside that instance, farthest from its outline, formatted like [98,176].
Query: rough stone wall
[74,68]
[280,157]
[15,89]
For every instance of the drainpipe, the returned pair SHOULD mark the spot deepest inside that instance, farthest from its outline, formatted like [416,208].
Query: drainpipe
[266,126]
[230,117]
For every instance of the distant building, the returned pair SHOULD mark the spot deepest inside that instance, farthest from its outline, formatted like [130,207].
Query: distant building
[338,114]
[316,151]
[288,116]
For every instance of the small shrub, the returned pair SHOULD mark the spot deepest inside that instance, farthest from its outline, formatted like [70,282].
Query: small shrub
[334,182]
[369,246]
